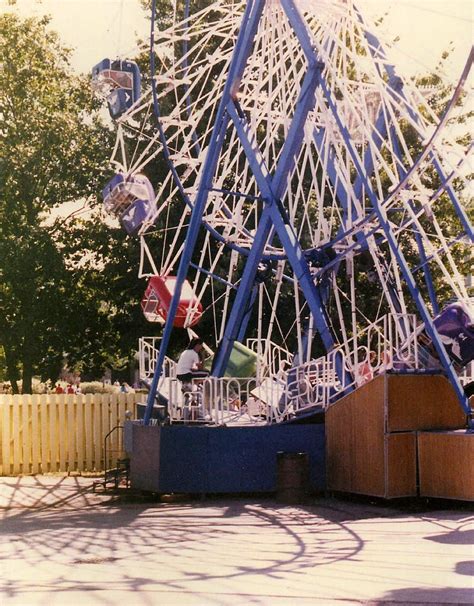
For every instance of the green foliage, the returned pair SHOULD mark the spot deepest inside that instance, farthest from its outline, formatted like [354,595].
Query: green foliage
[67,288]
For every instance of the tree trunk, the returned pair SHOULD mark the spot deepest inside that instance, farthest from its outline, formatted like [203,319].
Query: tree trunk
[27,377]
[12,370]
[27,365]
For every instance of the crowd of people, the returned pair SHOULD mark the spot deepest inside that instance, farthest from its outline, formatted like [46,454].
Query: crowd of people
[5,388]
[68,388]
[75,388]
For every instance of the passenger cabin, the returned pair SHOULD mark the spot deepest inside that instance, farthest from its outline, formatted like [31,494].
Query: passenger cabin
[119,82]
[455,326]
[131,199]
[157,301]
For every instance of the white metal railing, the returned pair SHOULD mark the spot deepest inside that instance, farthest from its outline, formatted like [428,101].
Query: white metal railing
[313,384]
[395,342]
[391,343]
[148,349]
[467,375]
[230,401]
[272,359]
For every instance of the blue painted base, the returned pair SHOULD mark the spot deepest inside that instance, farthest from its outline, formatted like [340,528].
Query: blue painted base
[186,459]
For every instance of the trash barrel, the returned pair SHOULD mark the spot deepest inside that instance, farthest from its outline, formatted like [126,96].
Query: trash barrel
[292,477]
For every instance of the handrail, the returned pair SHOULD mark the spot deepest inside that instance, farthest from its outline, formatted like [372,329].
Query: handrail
[107,436]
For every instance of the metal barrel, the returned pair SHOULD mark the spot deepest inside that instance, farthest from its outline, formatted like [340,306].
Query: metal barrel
[292,477]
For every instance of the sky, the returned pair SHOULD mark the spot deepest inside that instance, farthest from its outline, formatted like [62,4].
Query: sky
[97,29]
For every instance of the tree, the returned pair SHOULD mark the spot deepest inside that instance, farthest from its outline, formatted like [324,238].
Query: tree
[104,303]
[53,150]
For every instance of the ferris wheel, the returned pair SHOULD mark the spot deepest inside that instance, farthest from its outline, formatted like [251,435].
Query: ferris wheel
[319,191]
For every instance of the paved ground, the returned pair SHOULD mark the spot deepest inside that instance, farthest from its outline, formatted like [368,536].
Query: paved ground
[62,544]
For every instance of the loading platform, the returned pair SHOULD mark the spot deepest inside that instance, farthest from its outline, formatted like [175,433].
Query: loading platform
[383,439]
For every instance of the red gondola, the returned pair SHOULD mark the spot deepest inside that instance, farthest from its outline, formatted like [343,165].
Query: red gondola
[157,300]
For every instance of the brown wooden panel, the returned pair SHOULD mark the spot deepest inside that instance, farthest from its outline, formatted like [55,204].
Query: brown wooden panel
[368,466]
[400,476]
[446,464]
[354,441]
[417,402]
[339,446]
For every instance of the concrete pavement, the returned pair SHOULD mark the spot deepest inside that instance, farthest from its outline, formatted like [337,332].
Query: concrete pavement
[62,544]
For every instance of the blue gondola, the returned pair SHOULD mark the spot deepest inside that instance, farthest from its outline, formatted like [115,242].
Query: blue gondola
[120,82]
[131,199]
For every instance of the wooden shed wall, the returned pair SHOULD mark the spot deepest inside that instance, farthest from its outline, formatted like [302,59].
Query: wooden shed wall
[371,433]
[446,464]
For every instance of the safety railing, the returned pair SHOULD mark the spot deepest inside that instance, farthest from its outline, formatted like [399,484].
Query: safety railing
[467,375]
[314,384]
[230,401]
[272,359]
[395,342]
[392,343]
[148,350]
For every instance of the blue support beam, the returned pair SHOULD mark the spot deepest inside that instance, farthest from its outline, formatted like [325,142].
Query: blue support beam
[402,262]
[382,129]
[378,52]
[240,304]
[243,48]
[421,247]
[271,189]
[302,272]
[379,132]
[248,313]
[274,215]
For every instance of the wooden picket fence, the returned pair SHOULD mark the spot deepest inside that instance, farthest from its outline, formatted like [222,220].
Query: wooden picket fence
[61,433]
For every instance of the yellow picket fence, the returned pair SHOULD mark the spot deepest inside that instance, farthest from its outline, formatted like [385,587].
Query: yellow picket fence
[61,433]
